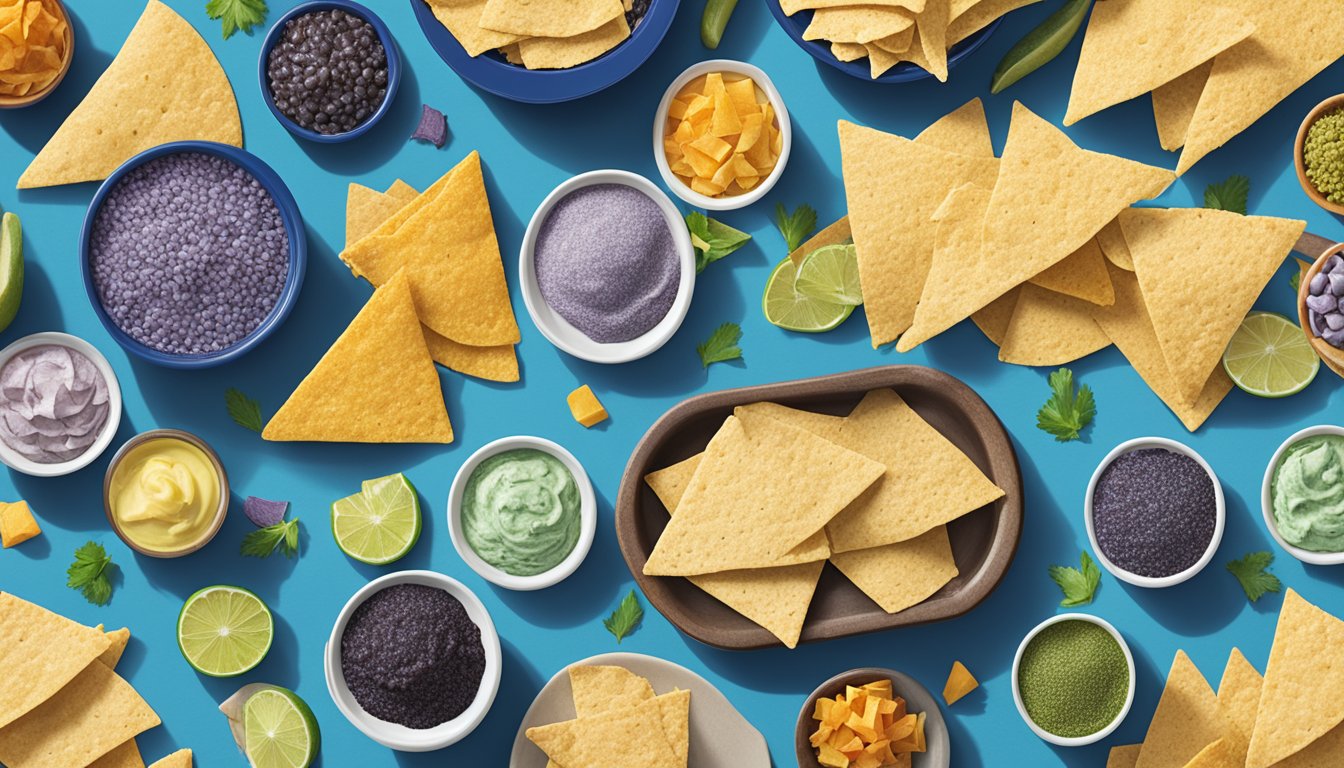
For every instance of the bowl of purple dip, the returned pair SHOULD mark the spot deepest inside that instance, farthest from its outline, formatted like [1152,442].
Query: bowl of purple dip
[192,254]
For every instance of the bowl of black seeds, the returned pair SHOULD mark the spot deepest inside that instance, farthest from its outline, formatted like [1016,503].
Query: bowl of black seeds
[329,70]
[1155,512]
[413,661]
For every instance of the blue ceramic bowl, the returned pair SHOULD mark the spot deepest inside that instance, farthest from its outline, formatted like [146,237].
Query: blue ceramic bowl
[903,72]
[289,215]
[393,68]
[490,72]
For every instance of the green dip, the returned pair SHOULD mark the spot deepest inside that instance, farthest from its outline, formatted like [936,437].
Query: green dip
[520,511]
[1307,491]
[1323,155]
[1073,678]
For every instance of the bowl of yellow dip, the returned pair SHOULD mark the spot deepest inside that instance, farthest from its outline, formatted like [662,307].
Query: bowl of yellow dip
[166,493]
[522,513]
[1302,497]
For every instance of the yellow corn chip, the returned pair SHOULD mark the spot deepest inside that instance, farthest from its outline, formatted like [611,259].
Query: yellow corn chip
[993,320]
[791,7]
[964,130]
[598,689]
[1238,700]
[1174,105]
[1187,719]
[565,52]
[179,759]
[549,18]
[366,209]
[835,234]
[933,37]
[848,51]
[462,19]
[898,43]
[1049,328]
[858,23]
[40,652]
[497,363]
[1124,757]
[402,191]
[880,59]
[978,16]
[125,756]
[1111,240]
[898,576]
[960,682]
[615,738]
[958,229]
[1321,753]
[118,640]
[1081,275]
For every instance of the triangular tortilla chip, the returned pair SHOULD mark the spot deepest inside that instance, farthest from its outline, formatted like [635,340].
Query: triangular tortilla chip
[958,228]
[896,44]
[857,23]
[1124,757]
[1195,319]
[1174,106]
[376,384]
[978,16]
[498,363]
[791,7]
[118,640]
[402,191]
[179,759]
[366,209]
[40,652]
[1081,275]
[614,738]
[898,576]
[933,37]
[1134,46]
[835,234]
[125,756]
[462,19]
[993,320]
[566,52]
[165,85]
[1238,699]
[1187,718]
[1321,753]
[964,130]
[549,18]
[1111,240]
[1049,328]
[599,688]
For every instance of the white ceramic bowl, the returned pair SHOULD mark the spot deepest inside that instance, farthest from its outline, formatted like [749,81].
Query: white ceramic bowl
[1267,499]
[1074,741]
[555,328]
[20,463]
[678,187]
[587,515]
[1220,513]
[399,737]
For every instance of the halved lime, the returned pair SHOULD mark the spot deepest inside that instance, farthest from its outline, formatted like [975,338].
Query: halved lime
[224,631]
[831,274]
[1040,45]
[11,268]
[1269,356]
[792,311]
[381,523]
[279,730]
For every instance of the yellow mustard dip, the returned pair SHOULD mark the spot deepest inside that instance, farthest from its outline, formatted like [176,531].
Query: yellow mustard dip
[164,494]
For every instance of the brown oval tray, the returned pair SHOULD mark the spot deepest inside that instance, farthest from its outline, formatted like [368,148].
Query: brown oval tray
[983,542]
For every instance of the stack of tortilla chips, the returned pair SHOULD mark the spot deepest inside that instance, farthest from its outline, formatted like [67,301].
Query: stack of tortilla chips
[1293,717]
[62,705]
[1213,68]
[888,32]
[1041,249]
[778,492]
[537,34]
[620,721]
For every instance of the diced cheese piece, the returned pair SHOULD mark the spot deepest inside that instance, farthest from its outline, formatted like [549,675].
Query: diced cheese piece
[714,147]
[585,407]
[960,682]
[677,109]
[17,523]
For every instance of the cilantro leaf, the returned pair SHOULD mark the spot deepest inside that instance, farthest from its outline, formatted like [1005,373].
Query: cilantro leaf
[237,14]
[1065,414]
[1252,574]
[1077,585]
[712,239]
[796,226]
[244,411]
[1229,195]
[90,572]
[1295,280]
[263,542]
[721,345]
[625,618]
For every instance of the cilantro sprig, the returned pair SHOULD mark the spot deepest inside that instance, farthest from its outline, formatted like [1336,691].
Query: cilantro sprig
[626,618]
[263,542]
[237,14]
[244,411]
[1078,585]
[91,572]
[712,239]
[1230,194]
[796,226]
[721,345]
[1252,572]
[1066,414]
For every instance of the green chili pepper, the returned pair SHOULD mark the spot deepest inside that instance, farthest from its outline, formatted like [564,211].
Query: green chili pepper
[715,20]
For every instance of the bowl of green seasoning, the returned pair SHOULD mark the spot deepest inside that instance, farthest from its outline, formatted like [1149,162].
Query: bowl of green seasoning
[1319,154]
[1073,679]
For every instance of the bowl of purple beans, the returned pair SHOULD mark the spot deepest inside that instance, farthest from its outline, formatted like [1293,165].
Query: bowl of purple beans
[329,70]
[1321,307]
[192,254]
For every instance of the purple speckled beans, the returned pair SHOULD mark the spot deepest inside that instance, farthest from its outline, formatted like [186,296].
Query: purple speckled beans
[1324,295]
[328,72]
[189,254]
[1154,512]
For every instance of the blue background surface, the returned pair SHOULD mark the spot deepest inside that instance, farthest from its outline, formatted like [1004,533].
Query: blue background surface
[527,150]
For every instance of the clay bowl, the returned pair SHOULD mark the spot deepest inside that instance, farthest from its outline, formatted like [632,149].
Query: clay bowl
[27,100]
[1332,357]
[1299,162]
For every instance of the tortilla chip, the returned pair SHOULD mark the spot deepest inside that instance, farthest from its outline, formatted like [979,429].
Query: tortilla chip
[1321,753]
[497,363]
[898,576]
[958,229]
[1174,106]
[365,209]
[1124,757]
[376,384]
[40,652]
[179,759]
[165,85]
[1111,240]
[1134,46]
[898,43]
[599,689]
[848,51]
[1081,275]
[615,738]
[1195,319]
[675,711]
[880,59]
[933,37]
[1238,699]
[549,18]
[462,19]
[791,7]
[858,23]
[402,191]
[980,15]
[125,756]
[964,130]
[118,640]
[565,52]
[1187,718]
[1050,328]
[993,320]
[835,234]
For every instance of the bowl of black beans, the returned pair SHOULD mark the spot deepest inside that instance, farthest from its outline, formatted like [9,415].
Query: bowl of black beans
[329,70]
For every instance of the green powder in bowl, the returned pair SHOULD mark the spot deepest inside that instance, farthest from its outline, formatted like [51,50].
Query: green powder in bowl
[1323,155]
[1073,678]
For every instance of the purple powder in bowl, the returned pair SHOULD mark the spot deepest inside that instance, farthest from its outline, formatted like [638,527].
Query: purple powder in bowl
[606,262]
[1154,512]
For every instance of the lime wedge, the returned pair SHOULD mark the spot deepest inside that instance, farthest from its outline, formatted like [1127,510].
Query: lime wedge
[1269,356]
[1040,45]
[831,274]
[381,523]
[792,311]
[11,268]
[224,631]
[279,730]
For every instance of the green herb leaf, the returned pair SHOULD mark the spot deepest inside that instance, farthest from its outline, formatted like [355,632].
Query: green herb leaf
[1229,195]
[1077,585]
[721,345]
[244,411]
[237,14]
[1065,414]
[712,239]
[1295,280]
[625,618]
[263,542]
[796,226]
[1251,571]
[89,573]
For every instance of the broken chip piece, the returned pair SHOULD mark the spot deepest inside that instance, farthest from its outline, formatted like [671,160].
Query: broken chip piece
[433,127]
[264,513]
[960,682]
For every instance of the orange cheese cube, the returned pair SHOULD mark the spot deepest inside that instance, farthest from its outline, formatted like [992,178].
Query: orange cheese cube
[585,407]
[17,523]
[677,109]
[960,682]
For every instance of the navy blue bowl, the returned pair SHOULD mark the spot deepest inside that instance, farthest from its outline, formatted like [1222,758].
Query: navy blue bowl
[289,215]
[393,68]
[490,72]
[903,72]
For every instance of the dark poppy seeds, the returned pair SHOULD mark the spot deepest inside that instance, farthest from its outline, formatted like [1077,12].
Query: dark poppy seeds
[1154,512]
[328,71]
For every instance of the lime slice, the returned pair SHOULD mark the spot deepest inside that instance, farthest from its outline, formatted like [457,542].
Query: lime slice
[11,268]
[831,274]
[1269,356]
[279,730]
[224,631]
[792,311]
[381,523]
[1040,45]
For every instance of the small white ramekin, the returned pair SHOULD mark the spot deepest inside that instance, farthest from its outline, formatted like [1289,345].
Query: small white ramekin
[1073,741]
[1267,498]
[20,463]
[555,328]
[1220,513]
[587,515]
[678,187]
[399,737]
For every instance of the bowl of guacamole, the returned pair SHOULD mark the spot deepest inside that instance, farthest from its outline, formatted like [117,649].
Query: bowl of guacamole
[1302,497]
